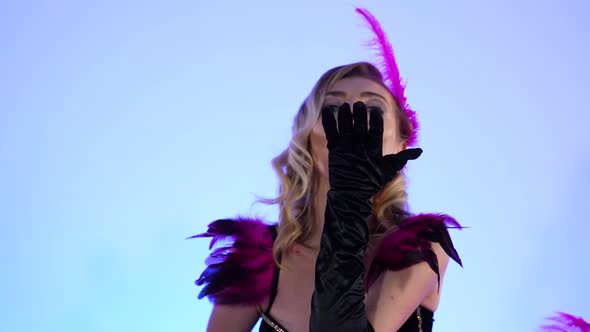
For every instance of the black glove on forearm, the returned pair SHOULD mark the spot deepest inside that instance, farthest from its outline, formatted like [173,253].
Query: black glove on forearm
[357,171]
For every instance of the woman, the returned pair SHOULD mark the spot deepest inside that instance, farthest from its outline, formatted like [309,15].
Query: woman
[345,255]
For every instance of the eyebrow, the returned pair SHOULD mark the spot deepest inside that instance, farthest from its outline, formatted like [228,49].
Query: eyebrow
[364,94]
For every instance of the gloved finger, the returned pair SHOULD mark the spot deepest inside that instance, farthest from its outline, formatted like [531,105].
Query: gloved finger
[410,154]
[345,138]
[359,114]
[375,137]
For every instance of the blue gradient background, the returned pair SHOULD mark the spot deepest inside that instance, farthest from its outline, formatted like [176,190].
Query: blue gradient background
[126,126]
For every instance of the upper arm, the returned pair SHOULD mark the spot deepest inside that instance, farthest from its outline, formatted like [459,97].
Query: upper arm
[232,318]
[394,299]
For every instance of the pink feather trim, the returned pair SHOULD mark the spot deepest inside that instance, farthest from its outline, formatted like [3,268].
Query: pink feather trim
[411,243]
[390,72]
[564,322]
[241,271]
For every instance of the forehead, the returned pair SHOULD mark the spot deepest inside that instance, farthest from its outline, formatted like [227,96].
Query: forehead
[357,85]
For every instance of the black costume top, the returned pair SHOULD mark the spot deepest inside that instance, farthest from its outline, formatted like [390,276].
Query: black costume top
[244,271]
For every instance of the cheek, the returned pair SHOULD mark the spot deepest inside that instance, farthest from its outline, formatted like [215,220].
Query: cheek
[318,136]
[391,141]
[319,149]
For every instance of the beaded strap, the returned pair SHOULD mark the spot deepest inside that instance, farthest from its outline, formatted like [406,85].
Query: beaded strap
[269,321]
[279,329]
[419,316]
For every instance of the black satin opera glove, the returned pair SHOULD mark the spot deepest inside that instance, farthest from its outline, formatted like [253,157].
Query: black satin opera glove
[357,171]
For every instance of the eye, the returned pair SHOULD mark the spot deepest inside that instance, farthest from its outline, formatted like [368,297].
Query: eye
[375,108]
[332,107]
[377,104]
[329,102]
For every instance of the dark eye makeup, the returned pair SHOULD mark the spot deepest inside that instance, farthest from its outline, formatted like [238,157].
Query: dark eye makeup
[375,108]
[372,105]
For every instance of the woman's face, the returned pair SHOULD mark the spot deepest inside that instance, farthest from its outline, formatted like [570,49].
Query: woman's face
[351,90]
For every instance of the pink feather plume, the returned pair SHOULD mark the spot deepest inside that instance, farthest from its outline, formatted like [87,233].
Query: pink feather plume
[240,271]
[390,71]
[564,322]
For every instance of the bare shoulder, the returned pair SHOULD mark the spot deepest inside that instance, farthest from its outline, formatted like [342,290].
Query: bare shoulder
[420,279]
[232,318]
[442,256]
[395,295]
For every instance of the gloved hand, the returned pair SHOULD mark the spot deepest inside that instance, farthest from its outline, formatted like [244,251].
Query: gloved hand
[356,171]
[355,153]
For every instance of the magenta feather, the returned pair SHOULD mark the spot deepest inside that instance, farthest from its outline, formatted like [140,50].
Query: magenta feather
[411,243]
[564,322]
[391,72]
[241,271]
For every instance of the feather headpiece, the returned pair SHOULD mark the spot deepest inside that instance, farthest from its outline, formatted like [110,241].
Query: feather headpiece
[390,72]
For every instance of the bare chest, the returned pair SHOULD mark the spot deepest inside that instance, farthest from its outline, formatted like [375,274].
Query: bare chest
[291,307]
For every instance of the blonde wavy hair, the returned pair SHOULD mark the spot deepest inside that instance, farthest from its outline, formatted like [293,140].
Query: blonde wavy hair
[294,167]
